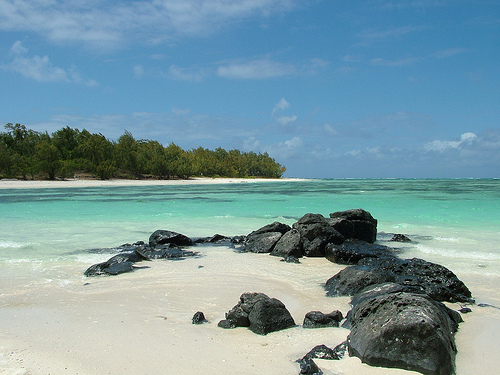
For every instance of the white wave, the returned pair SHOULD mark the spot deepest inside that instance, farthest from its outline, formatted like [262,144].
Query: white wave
[11,245]
[447,239]
[456,253]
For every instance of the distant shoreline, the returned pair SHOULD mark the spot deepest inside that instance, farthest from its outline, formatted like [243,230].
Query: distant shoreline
[77,183]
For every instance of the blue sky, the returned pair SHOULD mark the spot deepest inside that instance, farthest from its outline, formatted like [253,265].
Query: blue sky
[334,89]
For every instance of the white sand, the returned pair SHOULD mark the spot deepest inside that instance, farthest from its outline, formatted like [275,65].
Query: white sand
[74,183]
[140,322]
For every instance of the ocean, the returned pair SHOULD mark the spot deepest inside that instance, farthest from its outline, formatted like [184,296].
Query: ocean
[454,222]
[48,237]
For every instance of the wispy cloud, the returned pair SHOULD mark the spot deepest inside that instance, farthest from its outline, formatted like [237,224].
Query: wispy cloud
[443,146]
[277,111]
[256,69]
[372,35]
[41,69]
[178,73]
[101,24]
[443,54]
[393,63]
[280,106]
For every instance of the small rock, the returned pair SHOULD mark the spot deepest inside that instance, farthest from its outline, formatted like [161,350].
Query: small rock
[199,318]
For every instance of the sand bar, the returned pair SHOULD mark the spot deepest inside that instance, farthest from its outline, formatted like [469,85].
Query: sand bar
[76,183]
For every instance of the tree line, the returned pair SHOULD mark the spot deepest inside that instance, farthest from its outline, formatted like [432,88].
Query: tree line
[28,154]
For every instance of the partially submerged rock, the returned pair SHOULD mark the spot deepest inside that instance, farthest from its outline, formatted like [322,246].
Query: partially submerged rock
[356,224]
[161,237]
[316,233]
[260,313]
[400,238]
[264,239]
[164,248]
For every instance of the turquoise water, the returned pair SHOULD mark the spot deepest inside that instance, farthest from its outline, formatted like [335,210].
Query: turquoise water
[455,222]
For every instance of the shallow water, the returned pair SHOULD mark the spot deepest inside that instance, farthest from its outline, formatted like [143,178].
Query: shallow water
[456,222]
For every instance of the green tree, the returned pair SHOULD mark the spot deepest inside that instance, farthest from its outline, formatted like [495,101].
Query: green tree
[97,152]
[48,158]
[127,154]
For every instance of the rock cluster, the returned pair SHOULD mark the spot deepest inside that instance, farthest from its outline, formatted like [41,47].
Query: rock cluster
[312,234]
[397,317]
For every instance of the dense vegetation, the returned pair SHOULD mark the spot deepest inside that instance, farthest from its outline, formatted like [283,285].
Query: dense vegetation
[26,153]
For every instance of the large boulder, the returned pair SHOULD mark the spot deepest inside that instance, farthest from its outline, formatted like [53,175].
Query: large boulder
[436,281]
[316,233]
[353,279]
[161,237]
[260,313]
[356,223]
[290,244]
[404,330]
[264,239]
[352,251]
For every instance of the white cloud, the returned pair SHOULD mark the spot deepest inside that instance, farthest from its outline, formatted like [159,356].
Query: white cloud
[442,146]
[41,69]
[283,120]
[256,69]
[280,106]
[180,111]
[330,129]
[178,73]
[103,24]
[287,149]
[443,54]
[392,63]
[372,35]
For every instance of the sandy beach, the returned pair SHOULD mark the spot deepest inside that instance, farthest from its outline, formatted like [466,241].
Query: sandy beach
[76,183]
[140,323]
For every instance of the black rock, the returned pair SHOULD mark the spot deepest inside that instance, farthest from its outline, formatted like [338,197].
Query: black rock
[352,251]
[291,259]
[316,233]
[274,227]
[357,224]
[167,251]
[434,280]
[161,237]
[199,318]
[317,319]
[259,313]
[264,239]
[404,330]
[437,281]
[400,238]
[290,244]
[353,279]
[217,239]
[309,367]
[324,352]
[118,268]
[261,242]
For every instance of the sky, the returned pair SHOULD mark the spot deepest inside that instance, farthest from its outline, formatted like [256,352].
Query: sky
[328,88]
